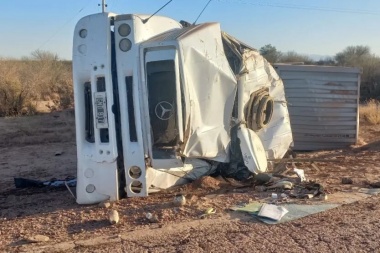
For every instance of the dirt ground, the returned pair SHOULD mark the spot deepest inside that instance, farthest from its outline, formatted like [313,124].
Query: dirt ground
[29,148]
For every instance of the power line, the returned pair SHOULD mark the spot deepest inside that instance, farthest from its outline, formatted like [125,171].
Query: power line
[66,23]
[301,7]
[202,12]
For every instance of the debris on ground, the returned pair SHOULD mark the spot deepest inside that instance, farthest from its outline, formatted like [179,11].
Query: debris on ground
[294,187]
[300,173]
[347,180]
[284,196]
[30,183]
[179,200]
[207,212]
[286,185]
[105,204]
[37,238]
[113,217]
[152,218]
[281,190]
[307,190]
[375,185]
[262,178]
[272,212]
[370,191]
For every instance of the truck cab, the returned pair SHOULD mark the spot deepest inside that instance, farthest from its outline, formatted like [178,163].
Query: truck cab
[159,103]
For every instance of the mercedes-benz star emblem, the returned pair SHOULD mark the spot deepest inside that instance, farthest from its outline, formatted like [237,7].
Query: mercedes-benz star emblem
[164,110]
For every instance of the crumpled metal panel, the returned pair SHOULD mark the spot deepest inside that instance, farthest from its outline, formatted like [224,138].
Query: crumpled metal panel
[252,149]
[211,89]
[259,74]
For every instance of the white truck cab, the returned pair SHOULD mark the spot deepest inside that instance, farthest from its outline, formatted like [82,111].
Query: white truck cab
[159,104]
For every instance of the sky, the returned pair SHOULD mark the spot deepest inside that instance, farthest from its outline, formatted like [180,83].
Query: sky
[313,27]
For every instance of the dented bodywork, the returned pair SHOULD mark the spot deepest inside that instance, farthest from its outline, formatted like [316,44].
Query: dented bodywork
[160,104]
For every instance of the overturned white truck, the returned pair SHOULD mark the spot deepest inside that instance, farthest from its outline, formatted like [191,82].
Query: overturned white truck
[160,103]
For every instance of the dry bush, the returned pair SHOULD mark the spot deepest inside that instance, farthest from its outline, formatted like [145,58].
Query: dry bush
[42,77]
[370,112]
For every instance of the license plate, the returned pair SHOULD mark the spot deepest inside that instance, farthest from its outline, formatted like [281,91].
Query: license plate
[100,105]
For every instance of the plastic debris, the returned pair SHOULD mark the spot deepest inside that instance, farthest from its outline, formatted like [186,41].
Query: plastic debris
[309,196]
[303,190]
[282,185]
[274,196]
[300,173]
[296,211]
[272,212]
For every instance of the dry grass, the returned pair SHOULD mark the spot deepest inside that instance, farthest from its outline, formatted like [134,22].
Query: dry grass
[42,77]
[370,112]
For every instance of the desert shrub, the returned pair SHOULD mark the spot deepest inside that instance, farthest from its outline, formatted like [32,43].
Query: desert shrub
[23,83]
[362,57]
[370,112]
[294,57]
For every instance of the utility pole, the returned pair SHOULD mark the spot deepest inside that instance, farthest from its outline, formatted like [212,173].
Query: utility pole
[104,5]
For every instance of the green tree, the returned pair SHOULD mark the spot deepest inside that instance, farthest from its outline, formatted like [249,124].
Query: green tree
[270,53]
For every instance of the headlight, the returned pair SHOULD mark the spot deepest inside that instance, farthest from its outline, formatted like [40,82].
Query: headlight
[82,49]
[125,45]
[124,30]
[83,33]
[90,188]
[135,172]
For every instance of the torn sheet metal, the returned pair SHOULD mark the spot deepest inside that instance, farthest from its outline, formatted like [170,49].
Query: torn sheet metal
[158,179]
[276,136]
[211,89]
[252,150]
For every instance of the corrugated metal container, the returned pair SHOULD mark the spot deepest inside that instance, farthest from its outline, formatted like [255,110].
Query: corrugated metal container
[323,105]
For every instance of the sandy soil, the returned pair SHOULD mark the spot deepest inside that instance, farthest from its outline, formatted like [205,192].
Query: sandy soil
[27,149]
